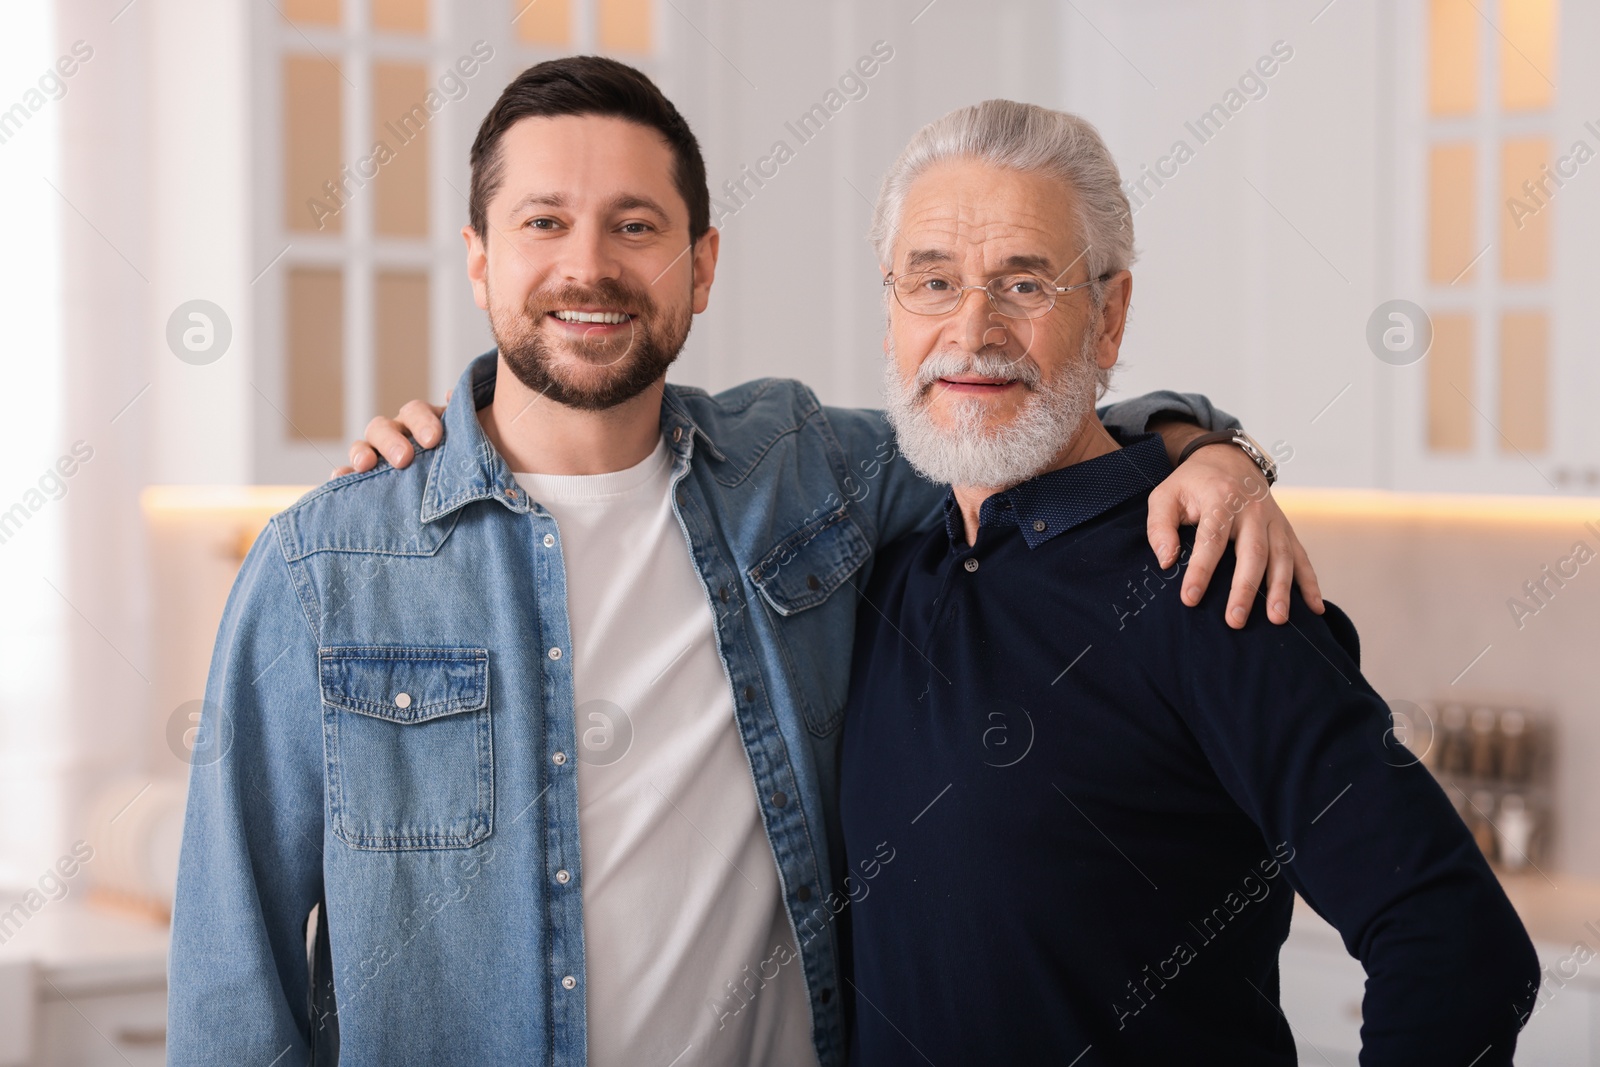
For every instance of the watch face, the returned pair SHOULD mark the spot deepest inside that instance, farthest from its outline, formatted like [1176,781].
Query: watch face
[1254,450]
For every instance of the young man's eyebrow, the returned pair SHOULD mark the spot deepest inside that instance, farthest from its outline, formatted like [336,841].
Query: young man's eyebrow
[539,200]
[635,202]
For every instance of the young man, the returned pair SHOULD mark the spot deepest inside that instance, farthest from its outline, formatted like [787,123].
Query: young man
[1076,813]
[542,730]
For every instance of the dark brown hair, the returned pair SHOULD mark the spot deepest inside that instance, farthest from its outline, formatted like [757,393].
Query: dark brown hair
[588,85]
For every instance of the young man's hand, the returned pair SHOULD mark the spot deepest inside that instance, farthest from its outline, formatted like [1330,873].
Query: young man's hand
[387,437]
[1220,491]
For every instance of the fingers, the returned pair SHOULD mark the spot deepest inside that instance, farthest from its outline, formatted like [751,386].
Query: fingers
[1209,541]
[1305,576]
[388,438]
[362,457]
[1162,526]
[340,472]
[1250,555]
[1280,572]
[421,420]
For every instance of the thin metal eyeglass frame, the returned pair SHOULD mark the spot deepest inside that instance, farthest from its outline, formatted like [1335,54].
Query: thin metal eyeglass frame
[961,293]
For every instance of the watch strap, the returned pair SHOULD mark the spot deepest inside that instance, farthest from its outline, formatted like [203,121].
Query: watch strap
[1215,437]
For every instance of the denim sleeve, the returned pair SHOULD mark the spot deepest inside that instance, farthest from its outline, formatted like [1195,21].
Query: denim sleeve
[1369,839]
[250,868]
[1134,414]
[893,495]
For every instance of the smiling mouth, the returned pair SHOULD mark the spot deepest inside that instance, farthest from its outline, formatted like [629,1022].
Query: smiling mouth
[602,318]
[972,383]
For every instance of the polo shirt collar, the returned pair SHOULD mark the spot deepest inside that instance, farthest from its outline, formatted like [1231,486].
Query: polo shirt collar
[1056,501]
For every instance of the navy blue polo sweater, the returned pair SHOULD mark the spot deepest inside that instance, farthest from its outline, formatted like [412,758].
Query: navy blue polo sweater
[1096,805]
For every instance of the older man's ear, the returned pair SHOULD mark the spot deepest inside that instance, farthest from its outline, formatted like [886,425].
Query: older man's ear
[1113,318]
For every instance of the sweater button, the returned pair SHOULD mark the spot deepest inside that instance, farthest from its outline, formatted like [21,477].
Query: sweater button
[971,564]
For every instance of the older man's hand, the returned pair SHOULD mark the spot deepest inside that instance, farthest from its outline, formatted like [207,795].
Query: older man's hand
[1222,493]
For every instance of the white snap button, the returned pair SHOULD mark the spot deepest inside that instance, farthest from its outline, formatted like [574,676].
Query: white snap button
[569,982]
[563,877]
[677,434]
[403,701]
[555,653]
[559,758]
[549,540]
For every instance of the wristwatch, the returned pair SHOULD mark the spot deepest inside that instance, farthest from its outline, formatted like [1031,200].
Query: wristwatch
[1257,454]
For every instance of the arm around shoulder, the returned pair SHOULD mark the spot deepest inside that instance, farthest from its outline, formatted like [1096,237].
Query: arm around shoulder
[1138,414]
[880,480]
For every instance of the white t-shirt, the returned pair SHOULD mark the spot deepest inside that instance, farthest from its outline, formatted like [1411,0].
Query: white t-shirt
[681,898]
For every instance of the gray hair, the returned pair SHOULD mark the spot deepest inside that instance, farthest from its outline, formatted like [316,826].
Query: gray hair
[1023,137]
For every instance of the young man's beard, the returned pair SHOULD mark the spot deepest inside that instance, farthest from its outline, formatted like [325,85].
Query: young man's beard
[631,361]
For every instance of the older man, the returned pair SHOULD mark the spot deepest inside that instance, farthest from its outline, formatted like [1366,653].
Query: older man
[1076,813]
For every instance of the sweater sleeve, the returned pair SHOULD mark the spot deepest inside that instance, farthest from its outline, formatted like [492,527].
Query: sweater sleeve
[1303,744]
[1135,414]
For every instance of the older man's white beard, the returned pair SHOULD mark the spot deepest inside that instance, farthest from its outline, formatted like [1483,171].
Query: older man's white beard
[971,452]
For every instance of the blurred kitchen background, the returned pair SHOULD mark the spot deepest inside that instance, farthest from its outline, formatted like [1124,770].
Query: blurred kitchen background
[1367,227]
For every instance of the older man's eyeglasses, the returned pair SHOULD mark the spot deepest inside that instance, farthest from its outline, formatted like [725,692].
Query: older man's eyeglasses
[1016,296]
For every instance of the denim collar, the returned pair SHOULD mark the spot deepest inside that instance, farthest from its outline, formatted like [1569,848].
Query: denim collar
[467,467]
[1054,502]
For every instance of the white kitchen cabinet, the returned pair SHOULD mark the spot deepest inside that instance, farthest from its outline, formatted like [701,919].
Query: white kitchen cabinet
[112,1027]
[88,987]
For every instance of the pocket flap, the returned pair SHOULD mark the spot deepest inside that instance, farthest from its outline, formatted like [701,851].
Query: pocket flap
[808,565]
[405,684]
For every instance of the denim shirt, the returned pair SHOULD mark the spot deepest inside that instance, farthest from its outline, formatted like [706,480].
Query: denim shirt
[383,789]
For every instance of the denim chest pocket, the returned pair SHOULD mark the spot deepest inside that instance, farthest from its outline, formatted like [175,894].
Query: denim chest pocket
[409,746]
[798,579]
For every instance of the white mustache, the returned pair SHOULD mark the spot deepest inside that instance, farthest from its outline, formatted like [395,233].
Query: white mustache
[952,362]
